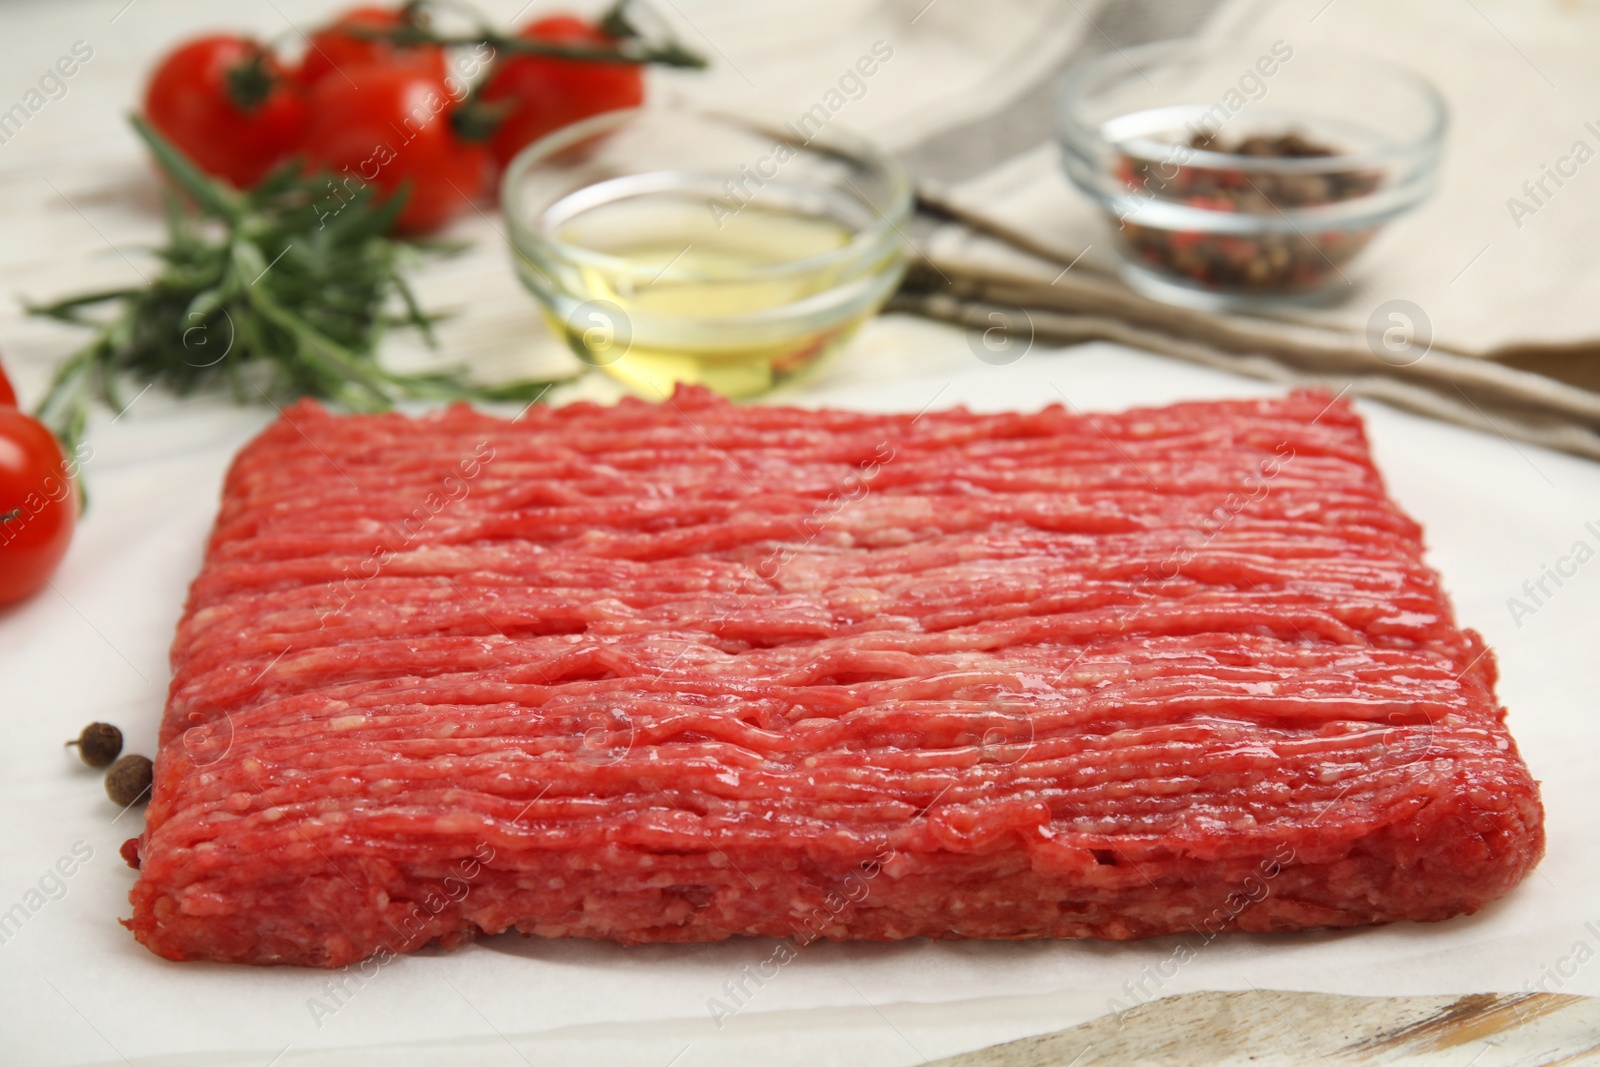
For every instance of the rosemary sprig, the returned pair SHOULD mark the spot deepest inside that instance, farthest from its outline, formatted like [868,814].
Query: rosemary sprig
[277,292]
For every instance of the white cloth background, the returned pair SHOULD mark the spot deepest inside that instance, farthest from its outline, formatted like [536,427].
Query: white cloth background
[77,989]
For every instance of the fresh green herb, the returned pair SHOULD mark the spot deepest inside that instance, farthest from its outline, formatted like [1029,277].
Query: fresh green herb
[269,291]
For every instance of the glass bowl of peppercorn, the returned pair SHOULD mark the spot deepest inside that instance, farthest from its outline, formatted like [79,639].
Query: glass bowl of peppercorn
[1238,176]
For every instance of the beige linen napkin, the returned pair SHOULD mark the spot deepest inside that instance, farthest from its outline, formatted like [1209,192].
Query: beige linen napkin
[1502,260]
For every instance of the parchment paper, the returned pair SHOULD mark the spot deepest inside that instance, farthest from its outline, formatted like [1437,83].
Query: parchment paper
[78,989]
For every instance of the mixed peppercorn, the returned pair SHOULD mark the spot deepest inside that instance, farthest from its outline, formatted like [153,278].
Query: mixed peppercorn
[128,781]
[1262,262]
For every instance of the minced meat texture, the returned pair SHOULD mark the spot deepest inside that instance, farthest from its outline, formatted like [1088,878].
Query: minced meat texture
[686,671]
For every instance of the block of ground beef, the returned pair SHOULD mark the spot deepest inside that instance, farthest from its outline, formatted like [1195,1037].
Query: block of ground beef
[684,671]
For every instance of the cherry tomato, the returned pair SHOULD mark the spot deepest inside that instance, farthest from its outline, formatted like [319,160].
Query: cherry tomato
[38,505]
[226,103]
[546,93]
[391,126]
[334,49]
[8,395]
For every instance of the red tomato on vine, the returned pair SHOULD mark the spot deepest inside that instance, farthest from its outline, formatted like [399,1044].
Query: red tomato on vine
[335,49]
[38,505]
[8,395]
[392,127]
[228,105]
[545,93]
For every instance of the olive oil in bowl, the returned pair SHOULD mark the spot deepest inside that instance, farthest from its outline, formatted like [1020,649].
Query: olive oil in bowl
[690,275]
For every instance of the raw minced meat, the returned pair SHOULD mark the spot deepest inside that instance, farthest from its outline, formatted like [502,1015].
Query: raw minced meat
[685,671]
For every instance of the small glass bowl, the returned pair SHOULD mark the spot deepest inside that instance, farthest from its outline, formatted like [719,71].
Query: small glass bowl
[1201,160]
[669,245]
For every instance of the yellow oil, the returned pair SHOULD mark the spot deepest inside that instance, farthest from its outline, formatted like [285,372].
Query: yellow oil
[715,293]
